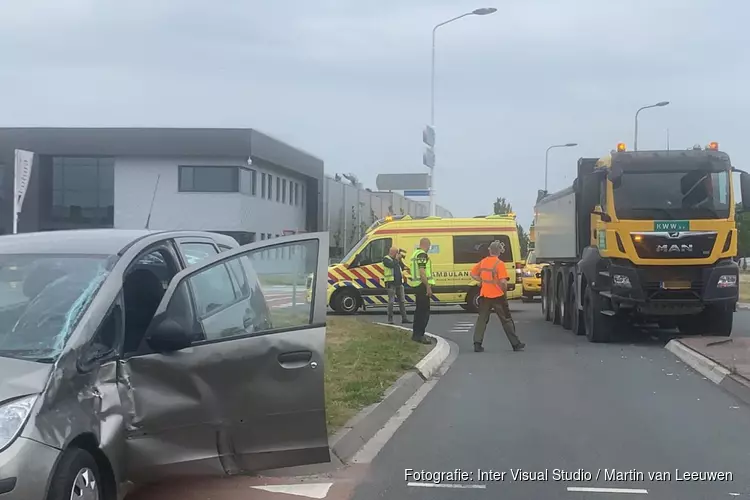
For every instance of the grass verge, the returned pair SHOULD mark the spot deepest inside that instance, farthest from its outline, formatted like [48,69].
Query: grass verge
[362,361]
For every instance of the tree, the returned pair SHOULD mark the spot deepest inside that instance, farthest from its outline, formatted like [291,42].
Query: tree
[743,233]
[502,207]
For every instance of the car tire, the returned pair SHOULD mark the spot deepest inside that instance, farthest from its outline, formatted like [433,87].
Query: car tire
[346,301]
[472,300]
[546,302]
[567,305]
[599,327]
[76,476]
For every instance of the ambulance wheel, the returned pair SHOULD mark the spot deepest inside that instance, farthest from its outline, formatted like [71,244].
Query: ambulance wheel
[346,301]
[472,301]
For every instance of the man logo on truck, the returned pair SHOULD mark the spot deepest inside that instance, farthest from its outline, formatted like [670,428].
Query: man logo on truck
[674,248]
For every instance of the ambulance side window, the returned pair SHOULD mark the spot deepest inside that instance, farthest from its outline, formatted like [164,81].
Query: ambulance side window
[373,253]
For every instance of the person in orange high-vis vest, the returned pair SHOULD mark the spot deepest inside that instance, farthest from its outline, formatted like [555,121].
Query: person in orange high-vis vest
[490,272]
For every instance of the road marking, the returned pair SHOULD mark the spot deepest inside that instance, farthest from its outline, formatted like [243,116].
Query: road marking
[310,490]
[450,485]
[608,490]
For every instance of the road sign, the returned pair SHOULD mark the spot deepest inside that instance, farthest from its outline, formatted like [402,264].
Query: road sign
[428,158]
[397,182]
[417,192]
[428,136]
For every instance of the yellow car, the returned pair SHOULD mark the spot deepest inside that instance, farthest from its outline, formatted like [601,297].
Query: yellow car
[531,278]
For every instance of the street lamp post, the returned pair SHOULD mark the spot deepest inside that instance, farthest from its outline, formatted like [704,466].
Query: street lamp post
[546,158]
[657,105]
[477,12]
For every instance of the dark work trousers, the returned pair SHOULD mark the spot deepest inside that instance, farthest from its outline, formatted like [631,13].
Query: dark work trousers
[500,306]
[422,311]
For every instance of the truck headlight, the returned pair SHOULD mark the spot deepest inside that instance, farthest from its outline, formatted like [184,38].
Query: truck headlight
[13,416]
[528,274]
[621,280]
[727,281]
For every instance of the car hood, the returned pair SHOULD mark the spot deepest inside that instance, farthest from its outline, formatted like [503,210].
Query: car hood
[21,377]
[533,268]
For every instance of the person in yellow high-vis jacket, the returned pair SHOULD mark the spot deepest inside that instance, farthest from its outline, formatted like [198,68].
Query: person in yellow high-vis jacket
[421,281]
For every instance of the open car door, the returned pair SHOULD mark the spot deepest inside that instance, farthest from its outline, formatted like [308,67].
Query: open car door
[229,377]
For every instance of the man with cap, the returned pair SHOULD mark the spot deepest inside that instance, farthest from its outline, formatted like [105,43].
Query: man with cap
[422,282]
[490,272]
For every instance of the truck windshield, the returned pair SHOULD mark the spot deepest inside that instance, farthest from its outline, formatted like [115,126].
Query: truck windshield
[694,194]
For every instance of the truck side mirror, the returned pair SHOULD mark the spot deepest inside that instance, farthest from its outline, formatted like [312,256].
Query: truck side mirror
[745,190]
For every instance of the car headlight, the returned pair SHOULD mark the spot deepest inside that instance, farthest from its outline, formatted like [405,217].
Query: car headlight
[13,416]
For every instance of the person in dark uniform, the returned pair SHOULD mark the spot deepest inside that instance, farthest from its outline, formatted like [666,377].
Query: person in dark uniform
[421,281]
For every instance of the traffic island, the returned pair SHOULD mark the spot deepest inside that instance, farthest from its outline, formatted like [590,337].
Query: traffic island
[723,360]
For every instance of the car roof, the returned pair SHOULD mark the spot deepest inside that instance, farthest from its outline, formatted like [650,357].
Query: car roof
[86,241]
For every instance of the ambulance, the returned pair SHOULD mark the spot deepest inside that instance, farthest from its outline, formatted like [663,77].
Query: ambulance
[457,244]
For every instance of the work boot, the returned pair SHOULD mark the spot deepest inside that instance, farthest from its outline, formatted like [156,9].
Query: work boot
[478,347]
[422,340]
[519,347]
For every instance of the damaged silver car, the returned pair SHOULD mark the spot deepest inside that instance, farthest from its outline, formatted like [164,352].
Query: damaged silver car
[131,356]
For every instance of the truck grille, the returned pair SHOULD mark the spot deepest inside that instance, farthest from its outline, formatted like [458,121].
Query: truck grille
[683,245]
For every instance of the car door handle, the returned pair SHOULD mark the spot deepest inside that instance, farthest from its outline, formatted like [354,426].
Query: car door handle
[296,359]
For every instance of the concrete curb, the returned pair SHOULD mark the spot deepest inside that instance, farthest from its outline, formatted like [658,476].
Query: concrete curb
[742,306]
[348,440]
[720,375]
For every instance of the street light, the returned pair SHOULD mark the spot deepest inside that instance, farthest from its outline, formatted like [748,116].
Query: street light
[546,158]
[484,11]
[657,105]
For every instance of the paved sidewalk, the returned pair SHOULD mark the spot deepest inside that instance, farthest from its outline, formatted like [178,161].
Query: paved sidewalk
[731,353]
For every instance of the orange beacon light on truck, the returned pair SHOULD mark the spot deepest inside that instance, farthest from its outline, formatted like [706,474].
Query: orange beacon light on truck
[620,146]
[714,146]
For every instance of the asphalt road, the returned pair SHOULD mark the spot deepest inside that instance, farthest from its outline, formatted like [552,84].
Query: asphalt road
[570,405]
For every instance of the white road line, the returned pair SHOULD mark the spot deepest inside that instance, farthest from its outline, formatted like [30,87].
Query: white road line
[450,485]
[608,490]
[309,490]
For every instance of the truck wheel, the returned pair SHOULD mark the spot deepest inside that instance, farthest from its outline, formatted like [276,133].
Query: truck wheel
[719,321]
[577,321]
[526,298]
[346,301]
[546,309]
[557,310]
[599,328]
[567,306]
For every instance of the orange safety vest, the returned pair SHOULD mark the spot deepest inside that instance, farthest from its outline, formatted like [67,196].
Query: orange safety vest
[490,269]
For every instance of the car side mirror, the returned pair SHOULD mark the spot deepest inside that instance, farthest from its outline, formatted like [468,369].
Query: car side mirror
[167,336]
[745,190]
[603,216]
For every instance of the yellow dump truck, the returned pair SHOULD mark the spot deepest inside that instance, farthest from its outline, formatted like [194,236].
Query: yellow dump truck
[644,237]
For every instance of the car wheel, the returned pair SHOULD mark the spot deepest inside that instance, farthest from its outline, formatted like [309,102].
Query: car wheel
[472,300]
[76,478]
[346,301]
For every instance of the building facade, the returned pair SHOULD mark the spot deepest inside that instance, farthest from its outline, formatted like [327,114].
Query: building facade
[237,181]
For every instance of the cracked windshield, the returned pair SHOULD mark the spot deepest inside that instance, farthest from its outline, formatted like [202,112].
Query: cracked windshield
[374,250]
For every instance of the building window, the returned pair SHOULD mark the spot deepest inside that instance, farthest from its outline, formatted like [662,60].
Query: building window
[283,191]
[270,184]
[263,186]
[296,194]
[205,179]
[83,192]
[262,236]
[268,236]
[278,189]
[302,197]
[291,192]
[253,182]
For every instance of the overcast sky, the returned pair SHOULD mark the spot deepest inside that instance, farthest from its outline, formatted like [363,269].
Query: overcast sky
[348,81]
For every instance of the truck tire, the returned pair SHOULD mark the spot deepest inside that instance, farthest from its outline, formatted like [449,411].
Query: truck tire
[346,301]
[557,302]
[577,322]
[546,302]
[567,305]
[599,328]
[713,321]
